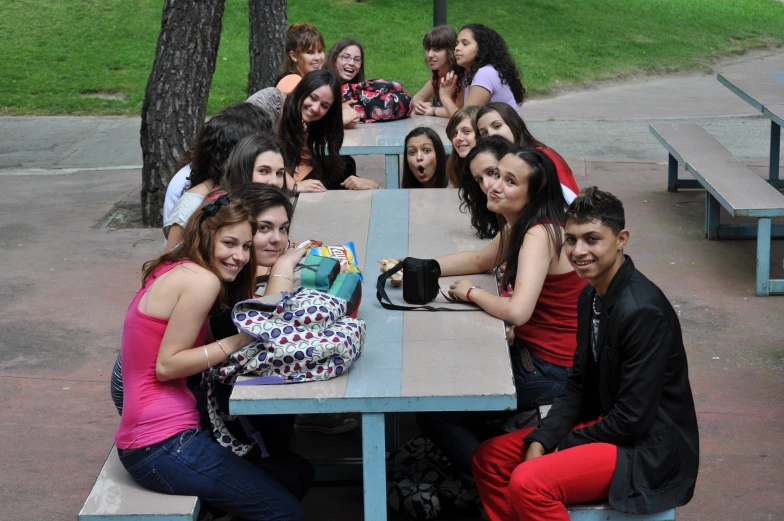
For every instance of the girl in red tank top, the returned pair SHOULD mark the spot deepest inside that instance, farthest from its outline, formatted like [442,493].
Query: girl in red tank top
[542,302]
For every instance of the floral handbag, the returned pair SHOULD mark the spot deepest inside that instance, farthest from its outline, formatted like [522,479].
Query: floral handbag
[378,100]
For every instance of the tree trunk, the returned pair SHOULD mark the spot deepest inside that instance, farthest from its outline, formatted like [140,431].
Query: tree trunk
[175,101]
[268,21]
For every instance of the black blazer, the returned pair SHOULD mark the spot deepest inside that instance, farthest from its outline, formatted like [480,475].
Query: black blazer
[640,386]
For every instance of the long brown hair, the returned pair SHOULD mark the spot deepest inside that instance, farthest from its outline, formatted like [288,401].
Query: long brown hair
[198,246]
[454,165]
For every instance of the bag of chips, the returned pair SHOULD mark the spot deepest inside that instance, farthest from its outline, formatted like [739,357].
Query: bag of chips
[346,255]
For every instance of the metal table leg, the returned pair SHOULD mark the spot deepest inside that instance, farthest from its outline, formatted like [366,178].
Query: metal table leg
[775,146]
[374,466]
[763,257]
[393,170]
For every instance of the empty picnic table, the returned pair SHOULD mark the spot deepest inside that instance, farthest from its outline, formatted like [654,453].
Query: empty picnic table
[764,92]
[411,361]
[387,138]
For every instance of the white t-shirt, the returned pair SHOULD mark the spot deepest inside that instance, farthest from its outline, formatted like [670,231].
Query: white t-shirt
[177,186]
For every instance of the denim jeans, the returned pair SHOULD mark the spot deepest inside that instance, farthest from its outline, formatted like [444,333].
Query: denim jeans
[192,464]
[459,433]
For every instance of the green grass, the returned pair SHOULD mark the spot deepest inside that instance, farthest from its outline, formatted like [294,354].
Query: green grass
[57,52]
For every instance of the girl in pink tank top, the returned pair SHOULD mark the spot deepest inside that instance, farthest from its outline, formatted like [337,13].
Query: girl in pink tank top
[159,440]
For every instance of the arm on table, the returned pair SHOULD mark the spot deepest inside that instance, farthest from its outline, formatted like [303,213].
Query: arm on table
[533,263]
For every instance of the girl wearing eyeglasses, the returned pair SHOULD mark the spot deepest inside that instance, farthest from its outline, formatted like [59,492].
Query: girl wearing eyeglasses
[347,60]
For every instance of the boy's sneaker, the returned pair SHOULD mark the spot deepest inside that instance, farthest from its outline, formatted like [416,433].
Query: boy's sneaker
[331,423]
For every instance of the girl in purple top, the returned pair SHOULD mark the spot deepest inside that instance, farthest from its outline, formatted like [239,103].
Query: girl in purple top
[491,74]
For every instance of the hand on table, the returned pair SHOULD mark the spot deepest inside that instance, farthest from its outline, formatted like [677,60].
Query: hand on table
[360,183]
[350,116]
[459,288]
[310,186]
[423,108]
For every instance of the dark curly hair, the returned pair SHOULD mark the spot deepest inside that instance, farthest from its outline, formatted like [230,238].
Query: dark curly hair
[322,138]
[473,199]
[492,50]
[217,138]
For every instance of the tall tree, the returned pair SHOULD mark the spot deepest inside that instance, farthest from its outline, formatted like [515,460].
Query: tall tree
[268,21]
[175,101]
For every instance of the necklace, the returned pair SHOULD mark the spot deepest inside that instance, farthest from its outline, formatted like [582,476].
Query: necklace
[595,311]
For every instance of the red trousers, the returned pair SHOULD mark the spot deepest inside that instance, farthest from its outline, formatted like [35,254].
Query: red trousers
[512,489]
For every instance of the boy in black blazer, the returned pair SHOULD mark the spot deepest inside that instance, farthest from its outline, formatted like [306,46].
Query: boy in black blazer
[624,428]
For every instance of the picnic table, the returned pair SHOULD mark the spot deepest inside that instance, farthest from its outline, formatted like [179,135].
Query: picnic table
[411,361]
[387,138]
[764,92]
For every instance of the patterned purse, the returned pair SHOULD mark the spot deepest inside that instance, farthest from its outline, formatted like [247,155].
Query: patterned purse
[300,337]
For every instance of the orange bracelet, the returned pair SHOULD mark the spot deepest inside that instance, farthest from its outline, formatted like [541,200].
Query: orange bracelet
[468,293]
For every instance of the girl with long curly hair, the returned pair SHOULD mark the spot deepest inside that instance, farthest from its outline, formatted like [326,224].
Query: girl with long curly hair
[490,71]
[439,44]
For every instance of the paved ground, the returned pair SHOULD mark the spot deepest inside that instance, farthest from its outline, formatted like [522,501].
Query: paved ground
[65,288]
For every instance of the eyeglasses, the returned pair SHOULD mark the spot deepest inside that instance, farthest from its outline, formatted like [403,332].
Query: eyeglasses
[347,57]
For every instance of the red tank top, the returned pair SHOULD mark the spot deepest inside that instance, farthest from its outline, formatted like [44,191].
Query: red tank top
[152,410]
[565,175]
[551,332]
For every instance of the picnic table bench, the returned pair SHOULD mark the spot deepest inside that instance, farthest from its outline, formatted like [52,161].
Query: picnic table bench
[729,183]
[117,497]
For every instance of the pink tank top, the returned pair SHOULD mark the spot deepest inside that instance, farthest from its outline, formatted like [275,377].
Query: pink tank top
[152,410]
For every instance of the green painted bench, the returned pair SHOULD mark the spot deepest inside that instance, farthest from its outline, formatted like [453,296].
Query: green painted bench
[729,183]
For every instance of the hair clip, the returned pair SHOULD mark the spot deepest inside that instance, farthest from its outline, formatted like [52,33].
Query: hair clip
[212,208]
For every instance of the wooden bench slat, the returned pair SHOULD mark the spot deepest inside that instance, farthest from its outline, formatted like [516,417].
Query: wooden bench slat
[719,171]
[117,497]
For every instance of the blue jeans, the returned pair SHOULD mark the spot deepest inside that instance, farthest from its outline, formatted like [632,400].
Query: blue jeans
[192,464]
[459,433]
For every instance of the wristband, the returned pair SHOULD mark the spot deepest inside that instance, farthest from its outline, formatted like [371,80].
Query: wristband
[468,293]
[282,276]
[294,189]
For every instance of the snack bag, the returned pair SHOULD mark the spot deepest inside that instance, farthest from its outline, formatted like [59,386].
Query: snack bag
[310,243]
[345,254]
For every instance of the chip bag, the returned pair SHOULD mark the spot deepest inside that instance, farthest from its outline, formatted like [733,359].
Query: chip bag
[345,254]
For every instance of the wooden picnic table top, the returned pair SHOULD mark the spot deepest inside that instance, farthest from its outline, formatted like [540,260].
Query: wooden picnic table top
[412,360]
[389,136]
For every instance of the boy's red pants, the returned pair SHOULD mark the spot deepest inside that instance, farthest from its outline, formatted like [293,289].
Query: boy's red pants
[512,489]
